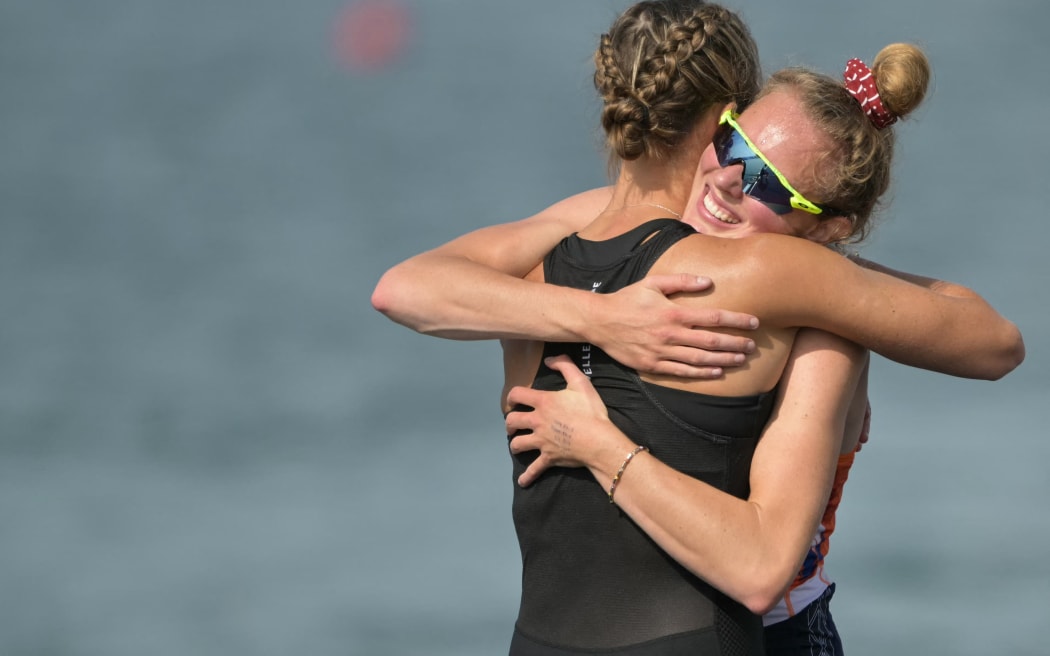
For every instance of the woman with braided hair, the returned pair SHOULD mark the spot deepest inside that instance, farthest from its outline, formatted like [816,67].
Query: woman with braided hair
[699,537]
[755,550]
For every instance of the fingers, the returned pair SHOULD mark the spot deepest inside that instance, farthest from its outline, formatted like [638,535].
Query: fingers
[714,353]
[523,396]
[564,365]
[717,344]
[679,370]
[519,421]
[712,318]
[534,471]
[669,284]
[526,442]
[678,283]
[522,443]
[698,363]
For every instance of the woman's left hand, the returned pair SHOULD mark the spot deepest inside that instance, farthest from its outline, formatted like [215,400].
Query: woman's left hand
[570,428]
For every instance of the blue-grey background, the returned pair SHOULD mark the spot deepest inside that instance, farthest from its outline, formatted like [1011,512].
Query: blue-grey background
[210,444]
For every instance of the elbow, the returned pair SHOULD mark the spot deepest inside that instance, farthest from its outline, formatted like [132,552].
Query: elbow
[1010,355]
[1017,351]
[764,596]
[759,587]
[383,295]
[769,580]
[391,296]
[762,605]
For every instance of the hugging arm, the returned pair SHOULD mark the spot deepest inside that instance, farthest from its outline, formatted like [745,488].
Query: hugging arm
[472,288]
[933,284]
[909,319]
[750,549]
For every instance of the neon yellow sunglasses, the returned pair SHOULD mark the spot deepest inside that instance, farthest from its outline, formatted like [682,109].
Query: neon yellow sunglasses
[762,180]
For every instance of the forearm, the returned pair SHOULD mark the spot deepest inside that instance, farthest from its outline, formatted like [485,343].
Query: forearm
[472,287]
[933,284]
[716,536]
[752,549]
[910,319]
[729,542]
[966,336]
[748,549]
[456,298]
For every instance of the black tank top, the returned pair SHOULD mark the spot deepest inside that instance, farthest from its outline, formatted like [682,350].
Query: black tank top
[591,579]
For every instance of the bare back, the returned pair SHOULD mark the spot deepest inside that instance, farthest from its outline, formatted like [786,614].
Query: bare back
[738,282]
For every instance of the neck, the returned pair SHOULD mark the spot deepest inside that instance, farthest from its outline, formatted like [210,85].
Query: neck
[647,181]
[644,190]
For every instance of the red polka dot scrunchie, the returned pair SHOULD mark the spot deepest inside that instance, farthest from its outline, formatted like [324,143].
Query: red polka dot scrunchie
[861,84]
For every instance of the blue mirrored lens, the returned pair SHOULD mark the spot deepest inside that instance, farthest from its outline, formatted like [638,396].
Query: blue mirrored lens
[759,182]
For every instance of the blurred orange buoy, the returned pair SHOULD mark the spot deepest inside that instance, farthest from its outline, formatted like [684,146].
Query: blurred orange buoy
[371,34]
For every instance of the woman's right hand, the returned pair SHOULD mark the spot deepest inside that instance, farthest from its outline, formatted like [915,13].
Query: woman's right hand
[641,327]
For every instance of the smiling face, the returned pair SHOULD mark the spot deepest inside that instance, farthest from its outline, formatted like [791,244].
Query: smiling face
[776,125]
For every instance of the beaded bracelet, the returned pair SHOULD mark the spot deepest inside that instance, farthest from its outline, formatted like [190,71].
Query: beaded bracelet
[627,461]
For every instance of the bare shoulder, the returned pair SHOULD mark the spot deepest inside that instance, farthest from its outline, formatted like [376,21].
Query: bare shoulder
[753,253]
[735,265]
[576,211]
[515,248]
[793,258]
[769,275]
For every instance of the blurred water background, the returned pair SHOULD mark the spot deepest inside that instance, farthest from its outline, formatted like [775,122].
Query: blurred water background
[210,444]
